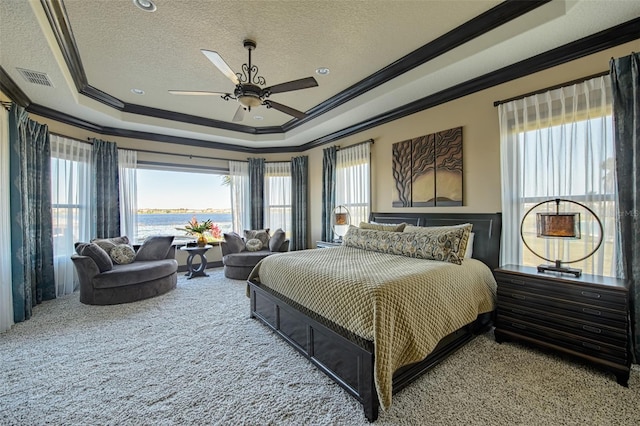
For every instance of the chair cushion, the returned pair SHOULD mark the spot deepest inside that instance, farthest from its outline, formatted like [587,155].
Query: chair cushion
[99,256]
[155,247]
[246,258]
[276,240]
[135,273]
[235,243]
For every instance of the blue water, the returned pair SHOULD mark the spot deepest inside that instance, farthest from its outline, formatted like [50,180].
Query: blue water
[165,224]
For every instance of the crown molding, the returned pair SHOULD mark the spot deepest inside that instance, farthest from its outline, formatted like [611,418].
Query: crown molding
[594,43]
[502,13]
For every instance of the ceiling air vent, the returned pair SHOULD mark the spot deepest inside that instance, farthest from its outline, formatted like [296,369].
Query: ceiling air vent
[35,77]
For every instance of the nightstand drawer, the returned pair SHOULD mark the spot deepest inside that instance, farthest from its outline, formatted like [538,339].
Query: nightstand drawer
[561,290]
[614,335]
[595,313]
[597,349]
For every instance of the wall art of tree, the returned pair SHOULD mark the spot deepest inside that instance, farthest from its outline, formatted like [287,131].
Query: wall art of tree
[416,158]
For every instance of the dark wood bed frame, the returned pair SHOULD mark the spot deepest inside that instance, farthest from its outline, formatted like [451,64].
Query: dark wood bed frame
[348,359]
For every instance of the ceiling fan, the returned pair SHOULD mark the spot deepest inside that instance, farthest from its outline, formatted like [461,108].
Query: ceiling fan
[248,91]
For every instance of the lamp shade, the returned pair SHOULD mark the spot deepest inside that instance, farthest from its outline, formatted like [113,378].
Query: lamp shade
[558,225]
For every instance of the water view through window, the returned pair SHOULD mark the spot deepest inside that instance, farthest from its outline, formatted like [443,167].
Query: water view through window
[170,199]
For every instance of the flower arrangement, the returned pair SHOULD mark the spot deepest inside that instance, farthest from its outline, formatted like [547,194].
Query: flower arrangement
[200,228]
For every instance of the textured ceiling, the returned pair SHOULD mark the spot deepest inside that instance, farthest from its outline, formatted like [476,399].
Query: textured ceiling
[121,47]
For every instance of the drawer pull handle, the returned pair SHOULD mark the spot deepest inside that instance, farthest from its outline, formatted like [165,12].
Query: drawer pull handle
[520,282]
[591,346]
[517,311]
[523,327]
[518,296]
[591,311]
[591,329]
[591,294]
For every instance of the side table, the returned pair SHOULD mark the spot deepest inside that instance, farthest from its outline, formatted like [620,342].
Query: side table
[196,251]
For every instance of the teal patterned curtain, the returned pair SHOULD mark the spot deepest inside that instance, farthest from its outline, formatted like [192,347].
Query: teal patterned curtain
[256,192]
[30,208]
[329,156]
[625,85]
[299,198]
[107,189]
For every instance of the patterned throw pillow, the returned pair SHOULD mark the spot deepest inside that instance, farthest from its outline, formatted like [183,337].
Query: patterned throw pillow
[107,244]
[260,234]
[123,254]
[399,227]
[443,244]
[254,244]
[430,230]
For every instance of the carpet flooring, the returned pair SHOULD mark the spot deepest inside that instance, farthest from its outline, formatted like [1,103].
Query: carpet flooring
[194,357]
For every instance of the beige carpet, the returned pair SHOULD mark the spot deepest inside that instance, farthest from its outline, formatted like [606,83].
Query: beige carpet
[193,356]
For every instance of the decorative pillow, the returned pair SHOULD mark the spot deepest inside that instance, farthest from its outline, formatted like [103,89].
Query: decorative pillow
[442,245]
[395,227]
[254,244]
[107,244]
[102,259]
[469,252]
[155,247]
[235,243]
[462,248]
[260,234]
[123,254]
[276,240]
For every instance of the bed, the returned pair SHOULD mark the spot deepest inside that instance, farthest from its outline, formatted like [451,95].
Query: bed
[344,349]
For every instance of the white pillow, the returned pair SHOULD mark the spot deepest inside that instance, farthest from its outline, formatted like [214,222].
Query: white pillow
[469,252]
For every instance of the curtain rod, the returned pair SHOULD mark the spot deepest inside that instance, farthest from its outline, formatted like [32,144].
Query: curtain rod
[182,155]
[6,105]
[358,144]
[557,86]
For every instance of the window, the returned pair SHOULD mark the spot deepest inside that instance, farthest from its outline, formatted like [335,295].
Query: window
[71,183]
[353,181]
[169,199]
[559,144]
[277,196]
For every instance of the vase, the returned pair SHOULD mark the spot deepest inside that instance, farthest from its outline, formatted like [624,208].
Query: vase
[201,241]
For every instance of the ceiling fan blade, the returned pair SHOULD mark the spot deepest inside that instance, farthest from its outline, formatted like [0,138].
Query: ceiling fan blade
[217,60]
[239,115]
[303,83]
[283,108]
[197,93]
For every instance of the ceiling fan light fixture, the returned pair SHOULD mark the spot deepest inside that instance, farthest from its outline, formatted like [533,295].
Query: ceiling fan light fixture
[250,100]
[146,5]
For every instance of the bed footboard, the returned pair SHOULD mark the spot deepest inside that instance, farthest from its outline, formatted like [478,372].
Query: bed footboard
[347,360]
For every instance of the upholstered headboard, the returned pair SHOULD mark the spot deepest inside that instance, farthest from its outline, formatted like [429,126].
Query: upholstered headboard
[486,227]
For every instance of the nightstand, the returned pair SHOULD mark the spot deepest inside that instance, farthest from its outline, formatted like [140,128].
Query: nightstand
[326,244]
[586,317]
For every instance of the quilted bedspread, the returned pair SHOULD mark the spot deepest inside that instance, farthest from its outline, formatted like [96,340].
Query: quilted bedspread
[404,305]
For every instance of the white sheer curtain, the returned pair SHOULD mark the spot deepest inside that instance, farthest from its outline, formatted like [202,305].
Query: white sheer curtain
[277,196]
[559,144]
[6,298]
[71,177]
[353,188]
[240,198]
[127,173]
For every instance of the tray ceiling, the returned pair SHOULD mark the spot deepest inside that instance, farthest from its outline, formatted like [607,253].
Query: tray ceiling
[382,55]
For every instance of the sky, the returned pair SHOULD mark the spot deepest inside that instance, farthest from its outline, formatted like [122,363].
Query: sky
[161,189]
